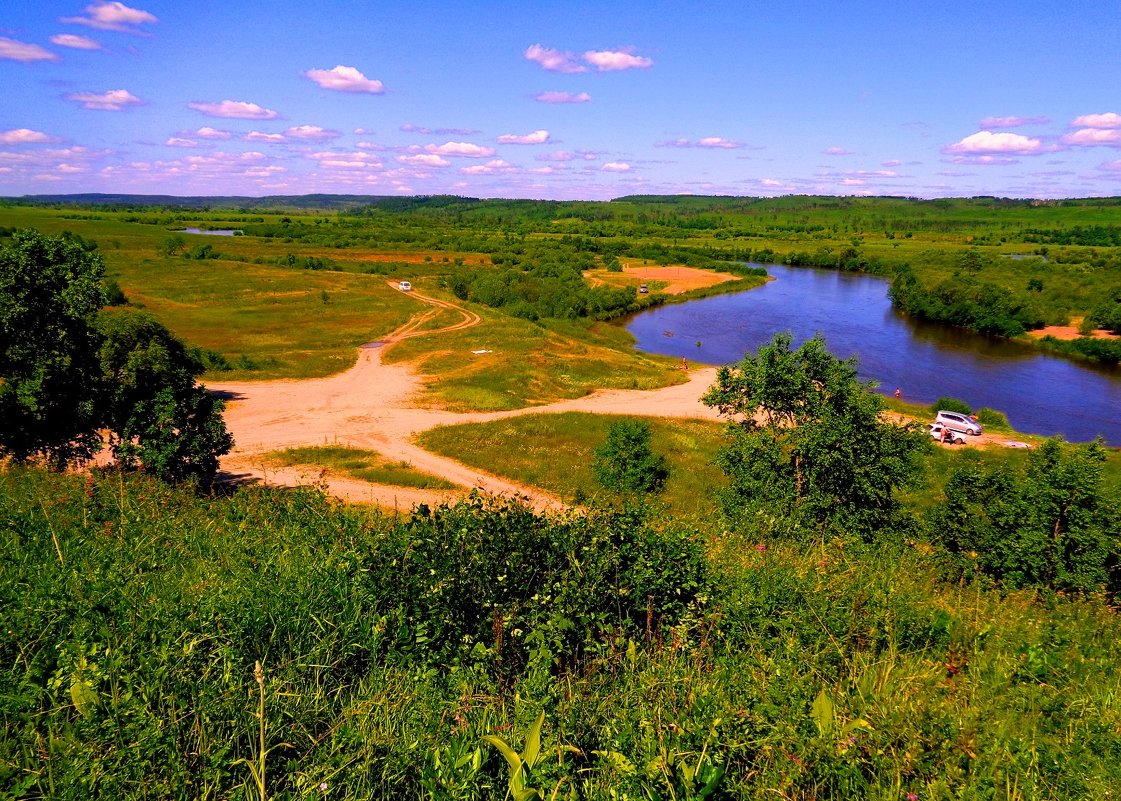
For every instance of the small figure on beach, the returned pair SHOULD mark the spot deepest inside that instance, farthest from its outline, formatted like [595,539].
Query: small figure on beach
[684,364]
[898,393]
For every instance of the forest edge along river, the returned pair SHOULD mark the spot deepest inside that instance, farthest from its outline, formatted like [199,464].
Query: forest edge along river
[1040,394]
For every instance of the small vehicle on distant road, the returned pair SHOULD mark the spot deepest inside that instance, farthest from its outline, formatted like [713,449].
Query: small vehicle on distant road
[940,432]
[958,422]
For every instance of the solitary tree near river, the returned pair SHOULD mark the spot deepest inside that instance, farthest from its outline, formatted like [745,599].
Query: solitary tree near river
[69,370]
[806,439]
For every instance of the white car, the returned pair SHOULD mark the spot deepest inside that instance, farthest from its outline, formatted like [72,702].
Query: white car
[947,435]
[958,422]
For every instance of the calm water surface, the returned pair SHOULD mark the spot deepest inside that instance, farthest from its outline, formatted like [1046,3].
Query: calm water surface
[1040,394]
[211,231]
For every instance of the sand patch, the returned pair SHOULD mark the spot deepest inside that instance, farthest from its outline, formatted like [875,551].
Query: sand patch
[1069,332]
[675,278]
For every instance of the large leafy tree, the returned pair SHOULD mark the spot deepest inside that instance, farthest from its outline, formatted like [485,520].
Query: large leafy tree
[69,371]
[158,416]
[807,440]
[50,289]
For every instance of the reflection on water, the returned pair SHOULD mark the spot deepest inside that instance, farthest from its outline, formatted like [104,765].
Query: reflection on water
[211,231]
[1040,394]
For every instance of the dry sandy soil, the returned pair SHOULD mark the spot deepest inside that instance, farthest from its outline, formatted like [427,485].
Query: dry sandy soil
[1069,332]
[371,406]
[677,278]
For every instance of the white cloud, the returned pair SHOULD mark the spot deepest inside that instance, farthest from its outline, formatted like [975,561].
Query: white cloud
[836,151]
[424,160]
[14,50]
[1111,166]
[989,123]
[178,141]
[539,137]
[112,16]
[614,60]
[234,109]
[113,100]
[311,133]
[76,42]
[206,132]
[557,155]
[984,142]
[712,142]
[1105,120]
[493,167]
[345,79]
[616,166]
[260,136]
[458,149]
[330,159]
[986,160]
[1091,137]
[562,97]
[554,60]
[24,136]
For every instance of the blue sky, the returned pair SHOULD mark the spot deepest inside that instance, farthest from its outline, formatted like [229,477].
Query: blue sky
[565,100]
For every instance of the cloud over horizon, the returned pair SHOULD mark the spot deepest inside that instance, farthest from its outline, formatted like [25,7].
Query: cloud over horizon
[345,79]
[113,100]
[75,42]
[710,142]
[114,16]
[538,137]
[24,136]
[603,60]
[989,123]
[987,142]
[15,50]
[562,97]
[234,110]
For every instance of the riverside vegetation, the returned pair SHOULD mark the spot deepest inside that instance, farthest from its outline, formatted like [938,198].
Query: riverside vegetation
[895,635]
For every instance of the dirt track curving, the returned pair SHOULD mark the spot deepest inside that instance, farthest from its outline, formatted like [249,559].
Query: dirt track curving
[370,406]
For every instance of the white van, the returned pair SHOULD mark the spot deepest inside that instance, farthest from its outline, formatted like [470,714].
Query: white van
[405,286]
[958,422]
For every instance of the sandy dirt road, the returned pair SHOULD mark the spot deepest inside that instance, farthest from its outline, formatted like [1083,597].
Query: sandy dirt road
[371,406]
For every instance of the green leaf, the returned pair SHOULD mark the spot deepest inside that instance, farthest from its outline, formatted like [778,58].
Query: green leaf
[84,696]
[533,741]
[506,751]
[823,713]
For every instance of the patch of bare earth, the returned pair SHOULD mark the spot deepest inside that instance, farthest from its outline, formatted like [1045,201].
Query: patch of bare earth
[677,278]
[1070,332]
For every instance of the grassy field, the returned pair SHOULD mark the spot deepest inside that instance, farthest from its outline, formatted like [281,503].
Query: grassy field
[365,465]
[526,449]
[157,643]
[529,364]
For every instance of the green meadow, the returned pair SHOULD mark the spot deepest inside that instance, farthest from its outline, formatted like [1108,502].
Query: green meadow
[262,643]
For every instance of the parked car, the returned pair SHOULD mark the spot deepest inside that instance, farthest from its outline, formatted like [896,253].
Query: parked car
[958,422]
[943,434]
[405,286]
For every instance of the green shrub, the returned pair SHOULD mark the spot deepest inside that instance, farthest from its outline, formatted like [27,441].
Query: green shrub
[948,404]
[992,419]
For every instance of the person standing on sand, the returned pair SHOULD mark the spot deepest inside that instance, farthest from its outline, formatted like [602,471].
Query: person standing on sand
[898,393]
[684,364]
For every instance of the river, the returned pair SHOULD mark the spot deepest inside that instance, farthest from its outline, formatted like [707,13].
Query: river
[1040,394]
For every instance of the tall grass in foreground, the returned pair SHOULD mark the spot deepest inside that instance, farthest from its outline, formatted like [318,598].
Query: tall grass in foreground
[666,664]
